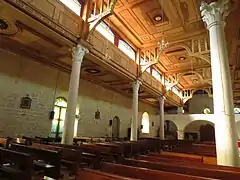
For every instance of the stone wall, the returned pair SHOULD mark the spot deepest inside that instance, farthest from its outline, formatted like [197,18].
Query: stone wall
[21,77]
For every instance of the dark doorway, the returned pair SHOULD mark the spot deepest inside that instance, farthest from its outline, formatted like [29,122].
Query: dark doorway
[207,133]
[116,127]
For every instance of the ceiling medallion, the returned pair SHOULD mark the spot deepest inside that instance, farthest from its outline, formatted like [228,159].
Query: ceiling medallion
[3,25]
[157,18]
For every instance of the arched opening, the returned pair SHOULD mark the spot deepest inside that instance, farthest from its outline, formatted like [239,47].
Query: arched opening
[200,130]
[145,123]
[60,108]
[116,127]
[170,130]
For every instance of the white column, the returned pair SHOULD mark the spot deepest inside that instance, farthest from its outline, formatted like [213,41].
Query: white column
[180,134]
[214,15]
[161,117]
[134,125]
[68,130]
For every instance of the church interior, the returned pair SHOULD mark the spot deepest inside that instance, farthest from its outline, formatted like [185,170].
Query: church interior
[119,89]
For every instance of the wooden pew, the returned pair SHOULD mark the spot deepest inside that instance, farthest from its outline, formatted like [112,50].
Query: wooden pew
[185,169]
[144,173]
[193,164]
[198,149]
[47,160]
[189,157]
[179,156]
[70,158]
[15,165]
[90,174]
[90,155]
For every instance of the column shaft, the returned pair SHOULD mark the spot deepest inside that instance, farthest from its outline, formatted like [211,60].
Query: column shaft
[134,125]
[161,117]
[68,130]
[225,132]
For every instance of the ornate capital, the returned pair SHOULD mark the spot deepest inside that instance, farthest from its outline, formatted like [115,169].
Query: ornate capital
[78,53]
[215,12]
[136,85]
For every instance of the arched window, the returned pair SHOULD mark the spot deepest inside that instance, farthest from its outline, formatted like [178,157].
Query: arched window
[156,74]
[145,123]
[74,5]
[103,29]
[126,49]
[60,108]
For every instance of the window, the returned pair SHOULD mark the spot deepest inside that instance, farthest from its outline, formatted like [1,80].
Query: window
[156,74]
[60,108]
[148,70]
[103,29]
[74,5]
[176,91]
[126,49]
[145,123]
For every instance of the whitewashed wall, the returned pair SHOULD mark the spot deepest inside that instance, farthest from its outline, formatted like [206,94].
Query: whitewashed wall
[20,76]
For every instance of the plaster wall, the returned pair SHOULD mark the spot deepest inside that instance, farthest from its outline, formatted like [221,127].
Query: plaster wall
[20,77]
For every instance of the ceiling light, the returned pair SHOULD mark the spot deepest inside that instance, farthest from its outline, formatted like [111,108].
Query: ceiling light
[92,71]
[158,18]
[181,58]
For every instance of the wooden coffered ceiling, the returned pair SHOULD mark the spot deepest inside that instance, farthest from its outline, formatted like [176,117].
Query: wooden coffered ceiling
[136,19]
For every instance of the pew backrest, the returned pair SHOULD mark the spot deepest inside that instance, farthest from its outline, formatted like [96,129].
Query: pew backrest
[144,173]
[22,162]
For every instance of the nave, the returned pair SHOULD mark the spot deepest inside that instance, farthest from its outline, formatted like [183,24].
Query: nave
[96,159]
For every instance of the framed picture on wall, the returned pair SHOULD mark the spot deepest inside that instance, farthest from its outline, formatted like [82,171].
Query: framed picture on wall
[26,102]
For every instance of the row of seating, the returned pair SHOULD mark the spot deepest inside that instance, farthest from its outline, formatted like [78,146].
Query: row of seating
[117,160]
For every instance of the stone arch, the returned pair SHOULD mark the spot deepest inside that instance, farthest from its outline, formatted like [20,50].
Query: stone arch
[202,130]
[170,130]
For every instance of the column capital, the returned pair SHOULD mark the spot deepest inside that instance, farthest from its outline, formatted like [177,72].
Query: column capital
[161,99]
[78,53]
[215,12]
[136,85]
